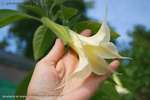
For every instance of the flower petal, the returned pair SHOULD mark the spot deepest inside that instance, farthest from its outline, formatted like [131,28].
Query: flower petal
[98,65]
[78,47]
[109,51]
[105,50]
[83,62]
[83,74]
[103,34]
[121,89]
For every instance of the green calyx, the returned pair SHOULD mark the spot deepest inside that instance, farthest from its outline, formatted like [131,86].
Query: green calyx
[61,32]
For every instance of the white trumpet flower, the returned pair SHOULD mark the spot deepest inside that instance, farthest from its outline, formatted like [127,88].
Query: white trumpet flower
[92,51]
[119,86]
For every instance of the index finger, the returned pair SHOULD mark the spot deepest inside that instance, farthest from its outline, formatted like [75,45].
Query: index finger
[72,57]
[86,32]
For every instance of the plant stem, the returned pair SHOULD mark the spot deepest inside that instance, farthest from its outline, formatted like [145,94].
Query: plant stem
[61,32]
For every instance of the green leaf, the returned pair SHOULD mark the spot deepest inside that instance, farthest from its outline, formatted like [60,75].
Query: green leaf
[22,88]
[93,26]
[67,13]
[42,41]
[9,16]
[36,9]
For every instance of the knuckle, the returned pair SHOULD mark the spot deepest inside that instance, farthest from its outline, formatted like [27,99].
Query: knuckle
[46,62]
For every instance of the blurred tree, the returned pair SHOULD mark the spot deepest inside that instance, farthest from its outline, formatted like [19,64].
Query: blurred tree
[3,44]
[136,75]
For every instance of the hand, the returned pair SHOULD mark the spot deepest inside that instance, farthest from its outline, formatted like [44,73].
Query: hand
[56,65]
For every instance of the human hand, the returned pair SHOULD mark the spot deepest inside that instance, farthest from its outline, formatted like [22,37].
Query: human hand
[54,67]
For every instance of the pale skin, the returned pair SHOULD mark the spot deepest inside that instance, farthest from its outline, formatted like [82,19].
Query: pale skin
[55,66]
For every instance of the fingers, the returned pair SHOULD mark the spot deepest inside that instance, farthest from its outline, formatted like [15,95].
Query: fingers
[70,61]
[45,76]
[114,65]
[71,58]
[56,53]
[60,68]
[86,32]
[91,84]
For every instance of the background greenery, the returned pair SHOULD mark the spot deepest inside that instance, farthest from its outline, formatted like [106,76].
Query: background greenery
[134,74]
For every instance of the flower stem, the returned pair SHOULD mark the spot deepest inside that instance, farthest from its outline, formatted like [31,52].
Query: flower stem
[61,32]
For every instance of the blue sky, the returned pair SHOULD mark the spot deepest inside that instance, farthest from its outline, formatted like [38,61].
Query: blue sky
[122,15]
[3,31]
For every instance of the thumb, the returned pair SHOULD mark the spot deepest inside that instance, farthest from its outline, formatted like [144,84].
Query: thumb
[56,53]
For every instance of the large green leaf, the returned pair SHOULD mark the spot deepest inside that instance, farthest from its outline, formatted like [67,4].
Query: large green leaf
[67,12]
[42,41]
[36,9]
[94,26]
[8,16]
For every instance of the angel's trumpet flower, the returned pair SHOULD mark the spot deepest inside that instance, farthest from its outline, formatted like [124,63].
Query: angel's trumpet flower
[92,51]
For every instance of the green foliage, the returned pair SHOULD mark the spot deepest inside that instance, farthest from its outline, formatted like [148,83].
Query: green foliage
[9,16]
[35,9]
[3,44]
[23,29]
[66,13]
[137,73]
[103,93]
[22,88]
[42,41]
